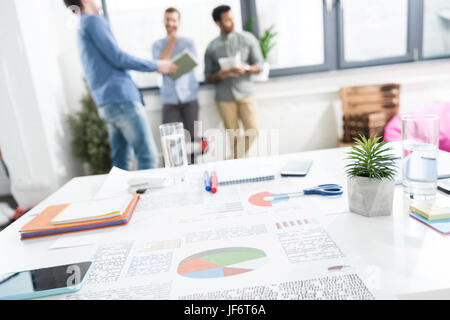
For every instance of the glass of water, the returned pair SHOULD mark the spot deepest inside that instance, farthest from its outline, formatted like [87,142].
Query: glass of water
[420,143]
[173,145]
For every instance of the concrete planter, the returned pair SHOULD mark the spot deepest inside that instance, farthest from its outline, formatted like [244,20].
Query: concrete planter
[369,197]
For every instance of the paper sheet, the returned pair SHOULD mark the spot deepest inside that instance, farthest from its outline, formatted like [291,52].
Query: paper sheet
[75,240]
[186,243]
[93,210]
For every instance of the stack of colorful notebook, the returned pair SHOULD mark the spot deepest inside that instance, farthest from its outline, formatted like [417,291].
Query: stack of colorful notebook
[432,215]
[81,216]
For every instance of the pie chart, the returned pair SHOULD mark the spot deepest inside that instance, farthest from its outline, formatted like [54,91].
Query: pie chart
[224,262]
[260,200]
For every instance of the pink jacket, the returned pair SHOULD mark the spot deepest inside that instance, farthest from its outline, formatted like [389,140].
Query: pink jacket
[393,130]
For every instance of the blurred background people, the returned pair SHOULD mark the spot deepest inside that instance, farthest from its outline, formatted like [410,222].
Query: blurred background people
[179,97]
[234,89]
[120,103]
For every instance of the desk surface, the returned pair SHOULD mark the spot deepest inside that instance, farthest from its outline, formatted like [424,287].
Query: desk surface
[403,255]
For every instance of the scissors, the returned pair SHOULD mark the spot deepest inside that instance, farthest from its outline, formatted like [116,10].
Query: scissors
[327,190]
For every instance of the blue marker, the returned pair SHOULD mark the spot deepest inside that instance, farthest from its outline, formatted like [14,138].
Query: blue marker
[207,181]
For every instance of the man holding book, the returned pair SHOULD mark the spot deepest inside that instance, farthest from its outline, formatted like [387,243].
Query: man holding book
[234,88]
[179,97]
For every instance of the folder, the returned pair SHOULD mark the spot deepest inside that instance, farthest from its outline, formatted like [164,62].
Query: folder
[41,225]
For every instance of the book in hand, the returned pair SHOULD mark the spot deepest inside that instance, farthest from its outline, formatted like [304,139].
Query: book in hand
[42,225]
[185,62]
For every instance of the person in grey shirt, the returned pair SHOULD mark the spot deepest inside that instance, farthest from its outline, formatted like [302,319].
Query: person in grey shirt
[234,89]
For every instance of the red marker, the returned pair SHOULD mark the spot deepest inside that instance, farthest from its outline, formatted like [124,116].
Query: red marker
[213,182]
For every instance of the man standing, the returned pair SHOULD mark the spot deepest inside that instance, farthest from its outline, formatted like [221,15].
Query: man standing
[234,89]
[119,102]
[179,97]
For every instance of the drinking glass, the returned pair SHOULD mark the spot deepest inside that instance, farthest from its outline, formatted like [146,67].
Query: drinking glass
[420,144]
[173,145]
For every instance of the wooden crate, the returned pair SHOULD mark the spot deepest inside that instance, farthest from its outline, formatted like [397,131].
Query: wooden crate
[367,99]
[367,109]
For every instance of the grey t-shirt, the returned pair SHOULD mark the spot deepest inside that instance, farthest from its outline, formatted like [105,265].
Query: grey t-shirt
[247,45]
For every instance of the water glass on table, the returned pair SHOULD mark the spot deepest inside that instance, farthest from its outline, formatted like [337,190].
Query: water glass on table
[420,146]
[173,144]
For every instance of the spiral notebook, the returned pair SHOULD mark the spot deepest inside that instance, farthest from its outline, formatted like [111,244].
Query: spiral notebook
[244,173]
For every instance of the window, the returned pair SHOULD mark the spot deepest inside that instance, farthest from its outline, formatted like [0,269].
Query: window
[313,35]
[373,30]
[436,28]
[137,24]
[302,19]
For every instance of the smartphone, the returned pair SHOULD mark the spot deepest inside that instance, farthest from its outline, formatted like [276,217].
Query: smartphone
[44,282]
[296,168]
[444,185]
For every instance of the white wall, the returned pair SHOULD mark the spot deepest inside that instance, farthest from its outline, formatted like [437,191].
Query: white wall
[36,95]
[5,187]
[306,109]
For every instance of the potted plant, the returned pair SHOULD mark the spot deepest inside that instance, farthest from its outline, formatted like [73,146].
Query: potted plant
[266,43]
[90,137]
[370,177]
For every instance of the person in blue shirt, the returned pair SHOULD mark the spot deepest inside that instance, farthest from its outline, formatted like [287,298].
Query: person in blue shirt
[179,97]
[120,103]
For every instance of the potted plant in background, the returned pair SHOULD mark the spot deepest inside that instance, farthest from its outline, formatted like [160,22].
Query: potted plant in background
[370,177]
[266,43]
[90,141]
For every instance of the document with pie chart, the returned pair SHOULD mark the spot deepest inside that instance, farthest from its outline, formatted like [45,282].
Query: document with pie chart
[223,262]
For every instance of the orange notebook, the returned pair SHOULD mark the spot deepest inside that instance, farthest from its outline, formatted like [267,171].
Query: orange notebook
[42,226]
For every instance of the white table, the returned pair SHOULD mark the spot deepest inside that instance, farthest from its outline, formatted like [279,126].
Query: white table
[407,258]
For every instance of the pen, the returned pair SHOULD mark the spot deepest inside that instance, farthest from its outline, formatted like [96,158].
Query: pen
[213,182]
[207,181]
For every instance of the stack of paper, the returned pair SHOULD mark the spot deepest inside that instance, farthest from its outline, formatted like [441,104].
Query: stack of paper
[431,211]
[81,216]
[93,210]
[227,63]
[434,215]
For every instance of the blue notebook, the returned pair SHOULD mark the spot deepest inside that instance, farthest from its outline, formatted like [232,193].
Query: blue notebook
[441,226]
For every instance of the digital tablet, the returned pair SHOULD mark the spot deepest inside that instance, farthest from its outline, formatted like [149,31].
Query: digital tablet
[44,282]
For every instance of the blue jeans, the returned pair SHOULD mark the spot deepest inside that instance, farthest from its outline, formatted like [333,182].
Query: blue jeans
[128,129]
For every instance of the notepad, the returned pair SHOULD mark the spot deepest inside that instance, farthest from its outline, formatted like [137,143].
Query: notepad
[185,62]
[93,210]
[41,225]
[441,226]
[431,211]
[244,173]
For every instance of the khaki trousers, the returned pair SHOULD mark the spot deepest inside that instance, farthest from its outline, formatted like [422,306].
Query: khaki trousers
[246,111]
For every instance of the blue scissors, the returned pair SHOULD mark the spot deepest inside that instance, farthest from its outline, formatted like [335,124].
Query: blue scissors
[327,190]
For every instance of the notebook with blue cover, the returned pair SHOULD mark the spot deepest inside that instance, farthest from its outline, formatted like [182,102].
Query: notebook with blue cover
[441,226]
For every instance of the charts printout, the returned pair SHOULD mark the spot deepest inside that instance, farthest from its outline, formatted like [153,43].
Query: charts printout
[203,249]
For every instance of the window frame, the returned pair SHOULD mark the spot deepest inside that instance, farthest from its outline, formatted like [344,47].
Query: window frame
[334,40]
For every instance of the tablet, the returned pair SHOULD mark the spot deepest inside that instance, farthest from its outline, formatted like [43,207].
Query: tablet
[44,282]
